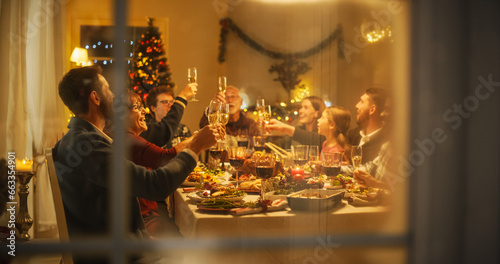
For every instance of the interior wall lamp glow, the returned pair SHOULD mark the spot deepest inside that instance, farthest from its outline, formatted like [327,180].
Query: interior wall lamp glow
[80,57]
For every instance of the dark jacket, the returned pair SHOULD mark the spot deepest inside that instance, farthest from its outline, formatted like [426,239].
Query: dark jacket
[161,133]
[82,159]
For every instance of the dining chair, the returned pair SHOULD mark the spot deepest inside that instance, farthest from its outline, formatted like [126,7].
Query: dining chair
[58,204]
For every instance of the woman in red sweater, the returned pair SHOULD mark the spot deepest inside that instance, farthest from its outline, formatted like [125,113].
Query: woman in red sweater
[149,155]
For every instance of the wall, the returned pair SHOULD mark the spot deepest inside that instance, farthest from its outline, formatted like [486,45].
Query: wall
[192,39]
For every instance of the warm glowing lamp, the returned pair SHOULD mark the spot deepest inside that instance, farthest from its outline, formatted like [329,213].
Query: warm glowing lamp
[80,56]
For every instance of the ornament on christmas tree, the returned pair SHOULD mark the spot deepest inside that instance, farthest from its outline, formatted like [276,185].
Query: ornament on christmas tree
[150,68]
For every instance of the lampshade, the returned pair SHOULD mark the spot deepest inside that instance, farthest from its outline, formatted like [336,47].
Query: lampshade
[80,56]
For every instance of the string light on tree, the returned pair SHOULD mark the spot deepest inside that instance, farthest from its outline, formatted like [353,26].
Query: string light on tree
[150,68]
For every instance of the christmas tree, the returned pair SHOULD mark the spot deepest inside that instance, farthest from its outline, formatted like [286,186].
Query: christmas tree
[150,68]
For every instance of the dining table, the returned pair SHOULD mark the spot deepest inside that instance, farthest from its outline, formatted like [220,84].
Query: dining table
[293,226]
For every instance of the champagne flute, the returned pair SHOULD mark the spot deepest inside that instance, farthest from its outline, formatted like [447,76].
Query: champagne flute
[237,159]
[264,167]
[212,112]
[192,78]
[314,159]
[356,155]
[266,117]
[222,84]
[224,114]
[259,107]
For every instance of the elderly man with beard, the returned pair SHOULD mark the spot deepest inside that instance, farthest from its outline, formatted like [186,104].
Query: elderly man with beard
[82,159]
[238,123]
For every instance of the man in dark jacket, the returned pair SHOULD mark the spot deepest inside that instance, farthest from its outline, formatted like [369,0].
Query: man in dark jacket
[82,159]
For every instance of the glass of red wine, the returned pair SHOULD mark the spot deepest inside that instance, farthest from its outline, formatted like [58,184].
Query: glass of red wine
[259,143]
[237,159]
[242,141]
[265,169]
[331,163]
[216,152]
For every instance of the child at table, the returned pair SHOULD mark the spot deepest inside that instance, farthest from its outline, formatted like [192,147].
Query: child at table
[333,124]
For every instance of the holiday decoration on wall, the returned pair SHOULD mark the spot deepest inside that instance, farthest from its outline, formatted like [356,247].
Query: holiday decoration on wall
[150,68]
[291,68]
[288,72]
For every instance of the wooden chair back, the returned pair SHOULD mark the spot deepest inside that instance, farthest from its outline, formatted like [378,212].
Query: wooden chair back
[58,204]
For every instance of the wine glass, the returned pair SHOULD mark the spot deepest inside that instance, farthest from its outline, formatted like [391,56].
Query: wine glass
[300,154]
[222,84]
[242,141]
[212,112]
[224,114]
[264,167]
[216,152]
[356,155]
[259,106]
[331,163]
[237,159]
[314,159]
[192,78]
[259,143]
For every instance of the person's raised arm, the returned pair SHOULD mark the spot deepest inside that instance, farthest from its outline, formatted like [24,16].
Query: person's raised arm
[160,133]
[275,125]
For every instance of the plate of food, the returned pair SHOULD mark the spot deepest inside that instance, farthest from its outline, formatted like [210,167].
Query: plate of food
[278,194]
[315,199]
[250,186]
[218,205]
[194,178]
[229,194]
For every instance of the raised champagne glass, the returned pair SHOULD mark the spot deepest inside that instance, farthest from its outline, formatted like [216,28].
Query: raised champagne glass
[224,114]
[222,84]
[193,78]
[237,159]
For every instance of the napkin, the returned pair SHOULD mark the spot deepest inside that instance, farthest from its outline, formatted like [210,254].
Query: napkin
[276,205]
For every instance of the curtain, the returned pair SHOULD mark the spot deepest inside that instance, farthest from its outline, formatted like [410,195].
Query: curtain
[32,62]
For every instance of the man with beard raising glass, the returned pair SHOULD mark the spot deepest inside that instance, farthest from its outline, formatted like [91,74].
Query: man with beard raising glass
[82,159]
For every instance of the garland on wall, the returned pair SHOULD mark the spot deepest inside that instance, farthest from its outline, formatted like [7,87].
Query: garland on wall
[289,70]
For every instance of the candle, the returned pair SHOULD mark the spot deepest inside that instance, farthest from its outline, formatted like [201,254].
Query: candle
[24,165]
[298,173]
